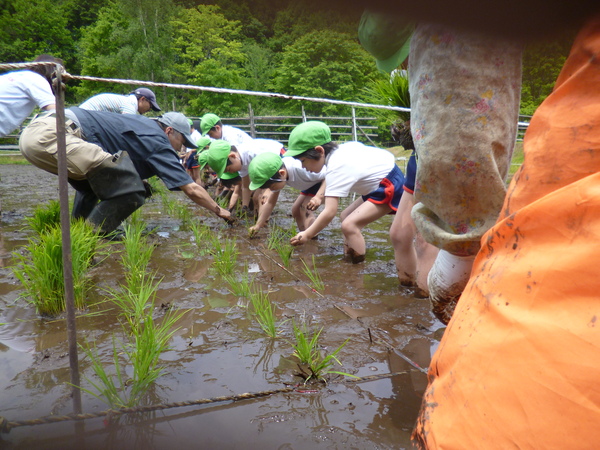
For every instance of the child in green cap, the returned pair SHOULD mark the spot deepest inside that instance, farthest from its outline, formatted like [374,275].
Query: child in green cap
[211,126]
[223,157]
[272,172]
[351,167]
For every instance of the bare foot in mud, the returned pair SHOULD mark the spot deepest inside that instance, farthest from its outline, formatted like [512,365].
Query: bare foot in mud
[354,257]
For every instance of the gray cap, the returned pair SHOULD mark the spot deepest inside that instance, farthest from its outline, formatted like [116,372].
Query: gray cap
[179,123]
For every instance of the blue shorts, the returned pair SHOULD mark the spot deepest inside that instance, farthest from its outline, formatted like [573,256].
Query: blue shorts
[312,191]
[411,174]
[389,191]
[192,162]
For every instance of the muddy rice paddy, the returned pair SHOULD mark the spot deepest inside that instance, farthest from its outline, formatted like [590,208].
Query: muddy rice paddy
[219,350]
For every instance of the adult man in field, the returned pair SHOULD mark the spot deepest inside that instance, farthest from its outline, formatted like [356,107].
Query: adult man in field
[108,156]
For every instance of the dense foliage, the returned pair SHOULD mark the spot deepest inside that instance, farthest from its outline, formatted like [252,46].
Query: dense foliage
[289,46]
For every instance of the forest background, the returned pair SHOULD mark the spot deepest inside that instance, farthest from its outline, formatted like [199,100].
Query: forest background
[292,47]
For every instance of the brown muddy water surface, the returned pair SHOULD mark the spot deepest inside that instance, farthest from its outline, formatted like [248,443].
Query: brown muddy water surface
[219,350]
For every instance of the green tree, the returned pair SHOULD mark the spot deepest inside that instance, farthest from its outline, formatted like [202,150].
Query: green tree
[324,64]
[209,50]
[129,40]
[542,63]
[28,29]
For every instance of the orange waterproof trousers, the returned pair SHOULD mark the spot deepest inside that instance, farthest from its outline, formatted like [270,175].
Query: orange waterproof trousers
[519,364]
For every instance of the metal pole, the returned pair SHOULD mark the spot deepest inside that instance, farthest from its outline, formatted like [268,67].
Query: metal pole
[65,223]
[354,134]
[252,125]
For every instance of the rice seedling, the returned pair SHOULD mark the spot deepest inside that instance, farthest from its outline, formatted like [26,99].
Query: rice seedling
[279,241]
[308,352]
[313,274]
[136,252]
[45,217]
[224,255]
[40,267]
[146,340]
[183,213]
[264,312]
[202,232]
[240,285]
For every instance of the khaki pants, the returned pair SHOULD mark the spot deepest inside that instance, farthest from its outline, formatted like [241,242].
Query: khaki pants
[38,145]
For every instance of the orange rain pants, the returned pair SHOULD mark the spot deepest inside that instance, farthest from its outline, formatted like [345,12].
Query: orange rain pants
[519,364]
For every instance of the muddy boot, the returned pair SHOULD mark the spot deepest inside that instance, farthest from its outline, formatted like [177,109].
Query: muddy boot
[84,204]
[446,281]
[120,190]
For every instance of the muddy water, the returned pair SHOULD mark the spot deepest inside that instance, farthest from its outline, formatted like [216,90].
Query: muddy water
[219,349]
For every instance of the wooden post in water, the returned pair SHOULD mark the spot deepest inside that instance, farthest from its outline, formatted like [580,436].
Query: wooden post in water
[65,224]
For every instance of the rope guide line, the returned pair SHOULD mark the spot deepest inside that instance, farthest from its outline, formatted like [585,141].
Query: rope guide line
[6,426]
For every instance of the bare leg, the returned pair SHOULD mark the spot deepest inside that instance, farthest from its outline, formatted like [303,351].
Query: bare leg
[304,218]
[354,219]
[402,233]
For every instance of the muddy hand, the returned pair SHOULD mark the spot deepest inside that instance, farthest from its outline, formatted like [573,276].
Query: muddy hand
[252,232]
[226,216]
[299,239]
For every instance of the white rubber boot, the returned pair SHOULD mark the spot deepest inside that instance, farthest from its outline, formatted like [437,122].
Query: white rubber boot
[446,281]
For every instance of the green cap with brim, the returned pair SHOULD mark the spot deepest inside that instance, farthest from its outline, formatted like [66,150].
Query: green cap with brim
[307,136]
[262,168]
[202,142]
[386,37]
[217,154]
[201,157]
[207,122]
[229,175]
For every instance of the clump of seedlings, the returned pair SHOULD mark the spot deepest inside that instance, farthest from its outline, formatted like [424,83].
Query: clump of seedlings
[241,284]
[45,217]
[314,363]
[279,241]
[224,255]
[202,234]
[145,341]
[40,267]
[136,250]
[264,312]
[145,338]
[313,274]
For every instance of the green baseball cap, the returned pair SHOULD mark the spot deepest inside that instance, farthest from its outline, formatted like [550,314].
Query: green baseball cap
[207,122]
[229,175]
[262,168]
[201,158]
[386,37]
[217,154]
[202,142]
[307,136]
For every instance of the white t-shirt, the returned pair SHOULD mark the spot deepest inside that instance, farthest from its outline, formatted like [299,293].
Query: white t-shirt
[354,167]
[235,136]
[248,151]
[300,178]
[120,104]
[20,93]
[195,136]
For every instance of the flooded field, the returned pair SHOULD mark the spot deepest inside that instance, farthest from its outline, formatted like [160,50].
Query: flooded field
[219,349]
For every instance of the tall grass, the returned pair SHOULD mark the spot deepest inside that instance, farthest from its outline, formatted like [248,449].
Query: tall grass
[40,267]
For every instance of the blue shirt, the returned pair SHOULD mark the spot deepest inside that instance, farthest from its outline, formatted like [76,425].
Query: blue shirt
[142,138]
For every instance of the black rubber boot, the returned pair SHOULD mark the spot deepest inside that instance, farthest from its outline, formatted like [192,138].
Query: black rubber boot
[120,190]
